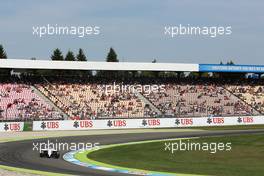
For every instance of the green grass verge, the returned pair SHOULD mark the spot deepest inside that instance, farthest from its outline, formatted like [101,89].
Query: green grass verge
[82,156]
[245,158]
[27,126]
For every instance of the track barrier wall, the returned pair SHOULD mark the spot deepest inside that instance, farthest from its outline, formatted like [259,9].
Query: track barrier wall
[146,123]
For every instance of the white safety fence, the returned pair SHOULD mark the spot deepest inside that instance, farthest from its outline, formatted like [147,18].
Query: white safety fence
[146,123]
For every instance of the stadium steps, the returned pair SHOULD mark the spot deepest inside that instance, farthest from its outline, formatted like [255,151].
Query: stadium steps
[256,110]
[146,101]
[39,93]
[50,93]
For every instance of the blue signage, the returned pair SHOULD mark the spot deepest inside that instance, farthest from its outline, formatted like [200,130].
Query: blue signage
[231,68]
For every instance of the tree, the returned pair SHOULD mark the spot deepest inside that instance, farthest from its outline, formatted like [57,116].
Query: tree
[81,56]
[230,63]
[57,55]
[151,74]
[157,73]
[216,74]
[3,72]
[112,56]
[2,53]
[230,75]
[70,56]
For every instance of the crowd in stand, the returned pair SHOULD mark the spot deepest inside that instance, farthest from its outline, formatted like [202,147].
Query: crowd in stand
[198,100]
[87,100]
[20,102]
[81,101]
[251,94]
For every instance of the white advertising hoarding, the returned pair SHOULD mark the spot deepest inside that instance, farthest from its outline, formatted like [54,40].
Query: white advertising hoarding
[146,123]
[11,126]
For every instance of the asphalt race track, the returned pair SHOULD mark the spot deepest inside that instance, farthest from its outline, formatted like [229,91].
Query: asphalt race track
[20,154]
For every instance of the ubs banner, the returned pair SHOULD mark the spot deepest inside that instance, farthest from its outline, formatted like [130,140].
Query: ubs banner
[11,126]
[146,123]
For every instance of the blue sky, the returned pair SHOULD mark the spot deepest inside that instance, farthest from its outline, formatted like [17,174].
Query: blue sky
[135,29]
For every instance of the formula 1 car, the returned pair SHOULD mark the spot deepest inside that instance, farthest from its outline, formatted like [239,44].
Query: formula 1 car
[49,153]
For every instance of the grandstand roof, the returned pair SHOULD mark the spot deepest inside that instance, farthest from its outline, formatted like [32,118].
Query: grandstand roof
[139,66]
[77,65]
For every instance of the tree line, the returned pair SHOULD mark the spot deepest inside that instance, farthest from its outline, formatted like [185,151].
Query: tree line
[57,55]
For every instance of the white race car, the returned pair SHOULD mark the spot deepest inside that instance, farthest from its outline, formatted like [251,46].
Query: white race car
[49,153]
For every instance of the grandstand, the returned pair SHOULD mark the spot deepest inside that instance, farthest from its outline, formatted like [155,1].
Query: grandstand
[38,97]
